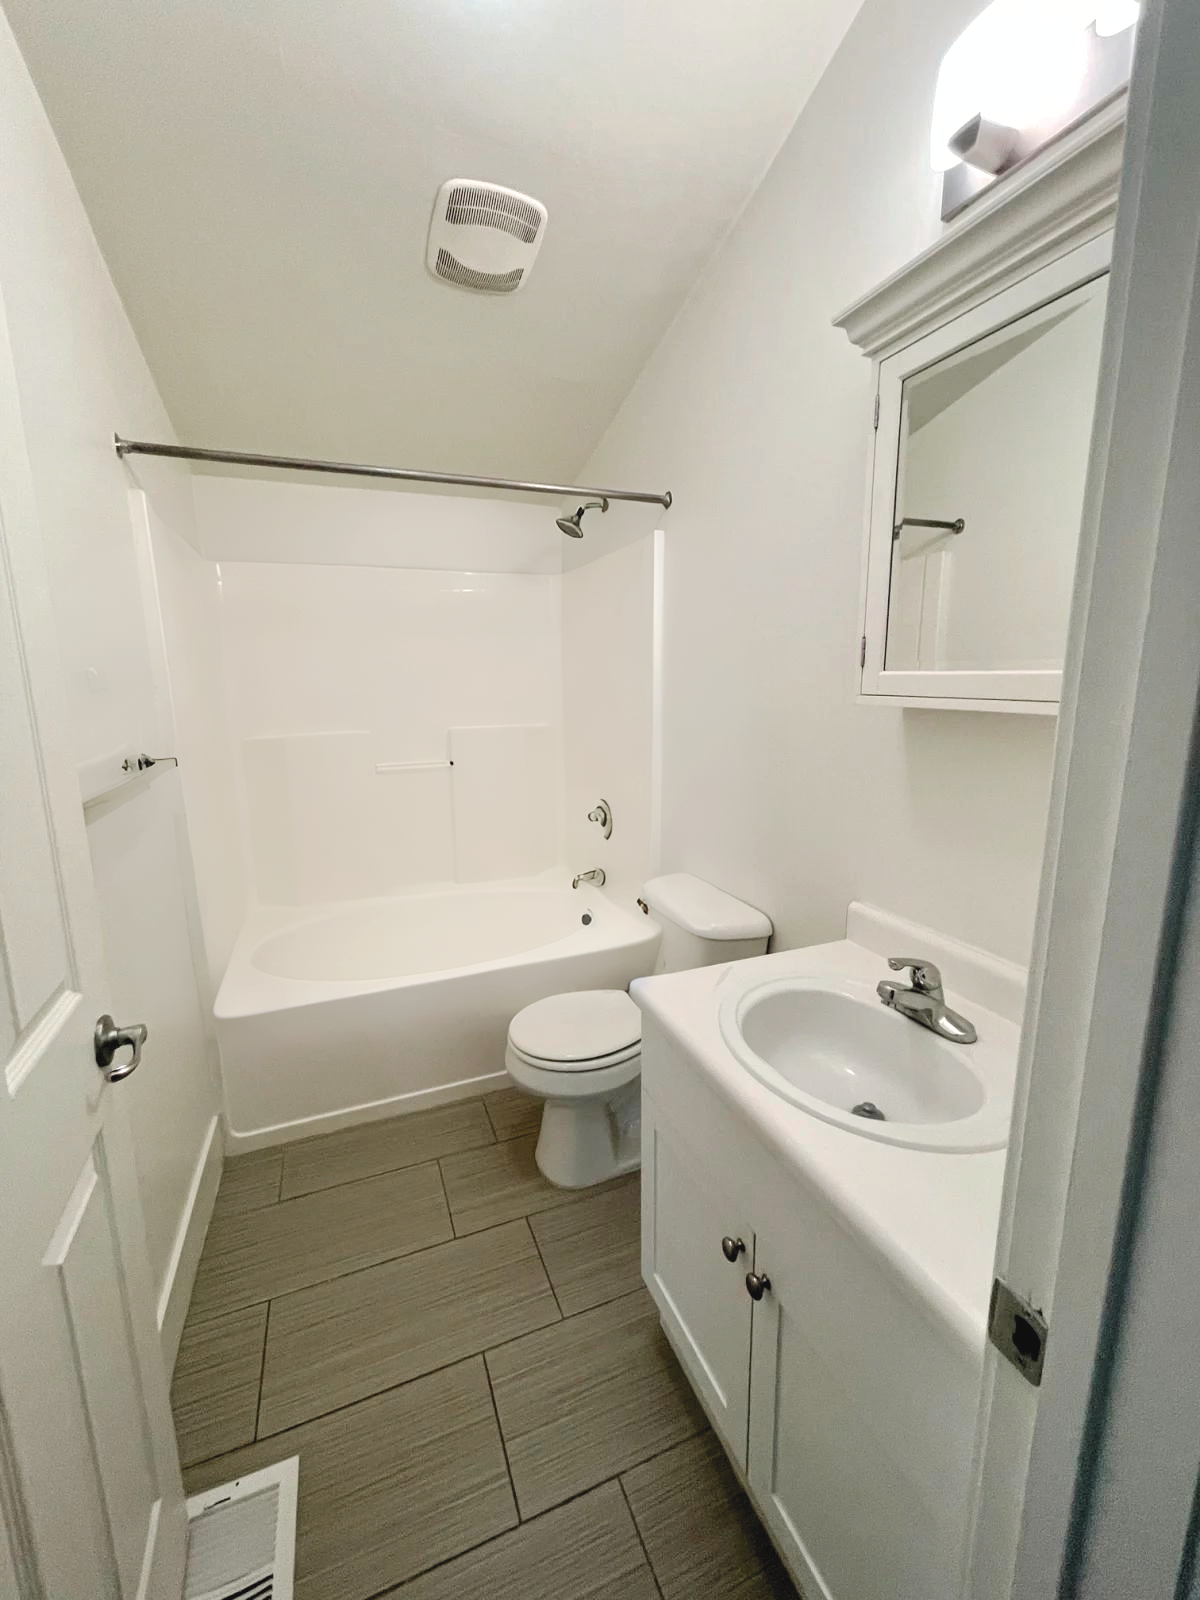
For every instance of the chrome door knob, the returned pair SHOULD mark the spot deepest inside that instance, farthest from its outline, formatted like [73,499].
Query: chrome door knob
[732,1248]
[109,1038]
[757,1284]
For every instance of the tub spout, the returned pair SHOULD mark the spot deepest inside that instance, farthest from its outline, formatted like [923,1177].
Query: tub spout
[596,876]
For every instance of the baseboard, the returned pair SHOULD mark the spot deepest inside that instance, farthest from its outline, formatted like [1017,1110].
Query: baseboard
[238,1141]
[189,1241]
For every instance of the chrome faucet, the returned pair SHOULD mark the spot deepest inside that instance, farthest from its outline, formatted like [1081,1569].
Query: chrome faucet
[925,1001]
[596,876]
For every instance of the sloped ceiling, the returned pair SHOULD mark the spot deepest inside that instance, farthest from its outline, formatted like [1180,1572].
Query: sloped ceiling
[260,175]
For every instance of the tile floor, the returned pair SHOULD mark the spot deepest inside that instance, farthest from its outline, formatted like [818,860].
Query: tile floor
[469,1368]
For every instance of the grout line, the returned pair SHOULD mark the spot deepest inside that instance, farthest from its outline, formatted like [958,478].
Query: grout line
[385,1172]
[454,1233]
[345,1183]
[262,1371]
[445,1195]
[496,1538]
[637,1530]
[300,1144]
[657,1455]
[570,1197]
[545,1268]
[512,1482]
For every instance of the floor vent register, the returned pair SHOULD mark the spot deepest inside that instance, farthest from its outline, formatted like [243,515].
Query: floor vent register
[242,1537]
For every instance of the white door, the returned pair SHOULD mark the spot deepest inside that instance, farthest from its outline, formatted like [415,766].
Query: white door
[697,1248]
[90,1491]
[1087,1484]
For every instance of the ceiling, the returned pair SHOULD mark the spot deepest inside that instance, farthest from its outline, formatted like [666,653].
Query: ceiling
[260,175]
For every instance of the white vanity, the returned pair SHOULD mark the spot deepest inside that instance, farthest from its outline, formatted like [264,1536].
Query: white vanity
[823,1278]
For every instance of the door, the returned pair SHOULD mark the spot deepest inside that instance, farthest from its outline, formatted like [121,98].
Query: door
[696,1250]
[90,1491]
[1081,1491]
[861,1409]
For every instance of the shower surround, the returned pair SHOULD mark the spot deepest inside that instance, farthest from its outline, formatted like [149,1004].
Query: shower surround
[395,730]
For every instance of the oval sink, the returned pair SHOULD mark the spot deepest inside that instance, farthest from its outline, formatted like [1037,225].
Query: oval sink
[830,1047]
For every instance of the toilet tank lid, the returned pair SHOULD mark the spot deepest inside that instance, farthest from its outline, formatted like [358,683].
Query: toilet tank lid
[699,908]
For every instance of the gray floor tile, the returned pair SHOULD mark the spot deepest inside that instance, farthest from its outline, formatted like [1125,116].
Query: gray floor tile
[588,1550]
[214,1393]
[390,1486]
[499,1184]
[248,1182]
[701,1533]
[376,1147]
[260,1254]
[593,1248]
[356,1335]
[588,1398]
[514,1115]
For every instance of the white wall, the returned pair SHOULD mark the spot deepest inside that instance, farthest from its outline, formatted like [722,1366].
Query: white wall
[346,649]
[331,521]
[607,667]
[81,376]
[755,412]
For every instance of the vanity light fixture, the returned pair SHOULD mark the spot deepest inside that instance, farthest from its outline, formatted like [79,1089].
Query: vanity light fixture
[1114,16]
[1019,76]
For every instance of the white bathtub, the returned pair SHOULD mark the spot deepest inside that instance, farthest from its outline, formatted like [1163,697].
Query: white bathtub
[344,1013]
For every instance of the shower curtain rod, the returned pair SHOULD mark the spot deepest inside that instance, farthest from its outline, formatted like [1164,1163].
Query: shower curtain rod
[242,458]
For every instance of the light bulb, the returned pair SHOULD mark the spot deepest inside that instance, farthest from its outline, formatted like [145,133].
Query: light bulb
[1019,63]
[1114,16]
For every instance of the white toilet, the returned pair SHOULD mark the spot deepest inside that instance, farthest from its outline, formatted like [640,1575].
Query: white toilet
[582,1052]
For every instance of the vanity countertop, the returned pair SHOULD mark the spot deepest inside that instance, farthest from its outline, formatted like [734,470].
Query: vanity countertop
[933,1217]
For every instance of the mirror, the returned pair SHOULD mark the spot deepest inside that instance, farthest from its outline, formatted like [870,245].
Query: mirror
[993,452]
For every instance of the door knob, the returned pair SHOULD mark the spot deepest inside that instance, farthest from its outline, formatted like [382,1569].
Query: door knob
[108,1039]
[732,1248]
[757,1284]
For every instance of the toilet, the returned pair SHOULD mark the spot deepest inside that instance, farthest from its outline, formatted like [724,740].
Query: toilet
[581,1052]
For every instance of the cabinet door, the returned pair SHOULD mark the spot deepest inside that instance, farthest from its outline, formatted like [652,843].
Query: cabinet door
[700,1294]
[861,1421]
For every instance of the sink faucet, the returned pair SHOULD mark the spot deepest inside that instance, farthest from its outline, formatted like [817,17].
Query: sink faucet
[596,876]
[925,1001]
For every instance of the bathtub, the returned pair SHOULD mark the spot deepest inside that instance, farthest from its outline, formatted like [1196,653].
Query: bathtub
[335,1015]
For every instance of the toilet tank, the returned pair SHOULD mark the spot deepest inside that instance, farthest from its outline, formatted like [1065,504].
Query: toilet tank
[702,925]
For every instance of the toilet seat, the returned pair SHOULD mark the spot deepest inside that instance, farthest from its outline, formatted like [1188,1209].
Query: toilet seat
[594,1064]
[583,1031]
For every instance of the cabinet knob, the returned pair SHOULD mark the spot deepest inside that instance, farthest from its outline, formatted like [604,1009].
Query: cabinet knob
[732,1248]
[757,1284]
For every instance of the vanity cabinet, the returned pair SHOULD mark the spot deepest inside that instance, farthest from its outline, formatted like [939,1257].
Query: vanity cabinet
[845,1403]
[690,1228]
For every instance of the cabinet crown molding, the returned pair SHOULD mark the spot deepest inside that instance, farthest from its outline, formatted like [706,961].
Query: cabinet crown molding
[1063,197]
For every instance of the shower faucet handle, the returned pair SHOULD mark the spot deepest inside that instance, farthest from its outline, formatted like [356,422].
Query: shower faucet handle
[603,815]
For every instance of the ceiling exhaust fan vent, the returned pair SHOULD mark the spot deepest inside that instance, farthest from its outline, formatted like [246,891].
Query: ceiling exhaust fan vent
[486,206]
[484,237]
[453,271]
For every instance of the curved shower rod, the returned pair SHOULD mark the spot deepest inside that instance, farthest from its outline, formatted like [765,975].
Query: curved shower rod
[242,458]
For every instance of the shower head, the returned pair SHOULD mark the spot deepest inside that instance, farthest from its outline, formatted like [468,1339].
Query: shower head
[571,525]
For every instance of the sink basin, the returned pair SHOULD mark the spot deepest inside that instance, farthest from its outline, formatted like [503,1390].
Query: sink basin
[832,1048]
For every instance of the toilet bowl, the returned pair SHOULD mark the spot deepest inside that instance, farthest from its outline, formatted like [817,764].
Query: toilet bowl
[581,1052]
